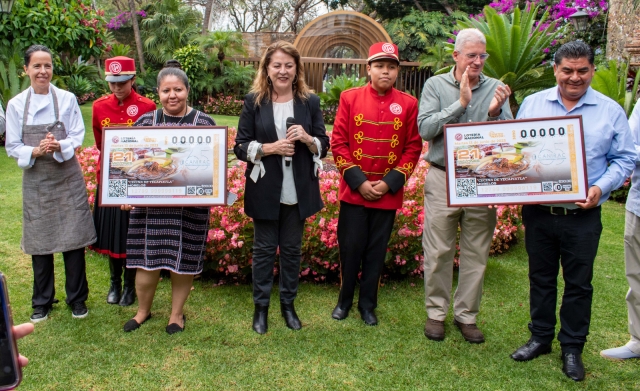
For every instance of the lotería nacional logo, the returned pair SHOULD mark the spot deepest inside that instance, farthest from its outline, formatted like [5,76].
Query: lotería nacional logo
[388,48]
[115,68]
[458,136]
[395,108]
[115,139]
[132,110]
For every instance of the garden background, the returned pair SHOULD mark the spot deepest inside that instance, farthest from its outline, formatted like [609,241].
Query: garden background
[218,350]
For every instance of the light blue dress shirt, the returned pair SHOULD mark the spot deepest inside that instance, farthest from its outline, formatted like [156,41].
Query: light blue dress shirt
[609,148]
[633,200]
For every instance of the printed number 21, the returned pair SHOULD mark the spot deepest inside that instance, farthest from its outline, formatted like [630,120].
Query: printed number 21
[467,154]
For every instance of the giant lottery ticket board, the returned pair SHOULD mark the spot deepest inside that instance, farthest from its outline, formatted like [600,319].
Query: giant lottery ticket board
[531,161]
[164,166]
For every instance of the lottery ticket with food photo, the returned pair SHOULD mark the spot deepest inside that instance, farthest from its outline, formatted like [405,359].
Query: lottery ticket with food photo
[531,161]
[153,166]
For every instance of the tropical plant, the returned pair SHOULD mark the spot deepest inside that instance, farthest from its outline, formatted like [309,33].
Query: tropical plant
[436,57]
[11,82]
[169,26]
[66,67]
[193,63]
[516,44]
[418,30]
[334,87]
[613,81]
[224,42]
[79,85]
[71,27]
[120,49]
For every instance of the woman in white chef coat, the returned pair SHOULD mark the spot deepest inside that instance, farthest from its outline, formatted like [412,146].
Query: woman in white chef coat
[44,127]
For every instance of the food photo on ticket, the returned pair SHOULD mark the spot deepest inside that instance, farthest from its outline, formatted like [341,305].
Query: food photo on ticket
[151,166]
[531,161]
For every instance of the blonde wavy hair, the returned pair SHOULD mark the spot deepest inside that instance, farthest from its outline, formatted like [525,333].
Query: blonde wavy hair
[261,86]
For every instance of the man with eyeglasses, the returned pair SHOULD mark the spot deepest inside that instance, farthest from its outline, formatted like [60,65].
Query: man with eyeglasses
[567,235]
[462,95]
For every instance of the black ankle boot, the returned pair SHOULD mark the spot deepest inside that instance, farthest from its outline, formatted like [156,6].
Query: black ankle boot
[129,292]
[260,315]
[290,317]
[115,269]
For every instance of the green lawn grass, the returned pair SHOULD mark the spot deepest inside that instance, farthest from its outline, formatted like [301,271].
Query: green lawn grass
[219,351]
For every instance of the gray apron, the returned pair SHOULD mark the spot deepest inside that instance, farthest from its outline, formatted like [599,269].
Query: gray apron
[55,210]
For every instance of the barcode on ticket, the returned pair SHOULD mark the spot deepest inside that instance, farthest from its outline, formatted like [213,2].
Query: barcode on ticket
[117,188]
[466,187]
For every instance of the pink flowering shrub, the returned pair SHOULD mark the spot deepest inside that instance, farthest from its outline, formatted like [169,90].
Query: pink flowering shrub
[223,105]
[230,238]
[89,158]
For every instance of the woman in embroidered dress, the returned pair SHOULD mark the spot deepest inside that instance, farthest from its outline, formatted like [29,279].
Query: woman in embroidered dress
[170,238]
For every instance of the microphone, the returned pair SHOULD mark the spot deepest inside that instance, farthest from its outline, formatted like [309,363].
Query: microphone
[290,122]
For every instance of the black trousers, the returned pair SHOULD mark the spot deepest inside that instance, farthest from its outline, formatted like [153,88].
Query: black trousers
[363,235]
[268,235]
[76,286]
[570,241]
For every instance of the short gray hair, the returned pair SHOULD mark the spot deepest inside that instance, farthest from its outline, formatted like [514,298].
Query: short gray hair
[469,36]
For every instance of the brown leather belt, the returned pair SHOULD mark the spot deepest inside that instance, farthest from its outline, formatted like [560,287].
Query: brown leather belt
[560,211]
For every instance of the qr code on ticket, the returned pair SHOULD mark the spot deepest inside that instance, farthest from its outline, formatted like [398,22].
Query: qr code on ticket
[117,188]
[466,187]
[547,186]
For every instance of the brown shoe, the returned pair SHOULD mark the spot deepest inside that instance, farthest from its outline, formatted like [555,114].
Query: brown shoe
[470,332]
[434,330]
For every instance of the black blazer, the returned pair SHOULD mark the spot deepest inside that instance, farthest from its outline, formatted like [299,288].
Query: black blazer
[262,198]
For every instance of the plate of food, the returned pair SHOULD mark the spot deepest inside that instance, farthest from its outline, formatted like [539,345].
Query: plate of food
[152,169]
[501,165]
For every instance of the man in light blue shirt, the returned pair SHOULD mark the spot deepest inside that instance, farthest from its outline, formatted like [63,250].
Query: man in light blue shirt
[632,254]
[567,235]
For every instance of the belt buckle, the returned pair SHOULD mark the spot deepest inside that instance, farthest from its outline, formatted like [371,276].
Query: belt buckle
[558,214]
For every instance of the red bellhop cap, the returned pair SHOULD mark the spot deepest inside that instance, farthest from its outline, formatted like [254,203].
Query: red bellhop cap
[383,51]
[117,69]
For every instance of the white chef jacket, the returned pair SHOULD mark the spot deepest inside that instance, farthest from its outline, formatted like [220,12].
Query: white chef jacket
[41,111]
[1,120]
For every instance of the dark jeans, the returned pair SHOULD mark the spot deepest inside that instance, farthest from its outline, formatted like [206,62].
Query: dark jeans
[268,235]
[76,287]
[363,235]
[569,241]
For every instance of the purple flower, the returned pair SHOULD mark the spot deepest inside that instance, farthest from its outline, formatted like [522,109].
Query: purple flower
[545,50]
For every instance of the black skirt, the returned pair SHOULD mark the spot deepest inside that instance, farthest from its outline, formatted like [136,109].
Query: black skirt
[111,225]
[168,238]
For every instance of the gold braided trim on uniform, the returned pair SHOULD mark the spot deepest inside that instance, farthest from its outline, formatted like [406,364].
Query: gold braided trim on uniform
[343,163]
[397,124]
[107,122]
[393,140]
[376,173]
[392,157]
[405,170]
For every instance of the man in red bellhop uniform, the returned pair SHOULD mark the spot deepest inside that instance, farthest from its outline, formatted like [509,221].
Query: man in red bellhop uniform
[376,146]
[121,108]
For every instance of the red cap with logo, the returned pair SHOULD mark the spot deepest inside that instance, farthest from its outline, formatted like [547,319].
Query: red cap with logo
[383,51]
[117,69]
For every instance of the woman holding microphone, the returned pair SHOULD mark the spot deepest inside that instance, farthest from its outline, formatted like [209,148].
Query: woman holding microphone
[281,135]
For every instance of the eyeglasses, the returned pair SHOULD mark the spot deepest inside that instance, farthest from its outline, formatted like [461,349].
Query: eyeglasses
[473,56]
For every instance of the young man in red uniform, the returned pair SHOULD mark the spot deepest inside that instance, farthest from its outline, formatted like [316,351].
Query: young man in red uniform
[121,108]
[376,146]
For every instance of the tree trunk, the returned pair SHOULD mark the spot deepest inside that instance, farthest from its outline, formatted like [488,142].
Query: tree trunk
[207,17]
[136,33]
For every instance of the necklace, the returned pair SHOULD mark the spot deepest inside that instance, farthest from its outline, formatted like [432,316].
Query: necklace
[164,115]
